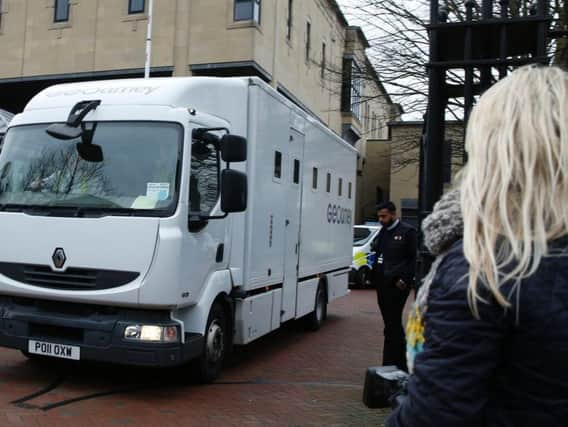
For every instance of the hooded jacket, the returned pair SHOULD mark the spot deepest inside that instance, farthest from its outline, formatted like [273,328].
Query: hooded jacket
[507,368]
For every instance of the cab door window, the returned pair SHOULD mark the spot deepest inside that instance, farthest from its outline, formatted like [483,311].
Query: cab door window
[204,178]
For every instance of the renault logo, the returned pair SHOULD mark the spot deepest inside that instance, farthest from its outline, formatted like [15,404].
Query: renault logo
[59,258]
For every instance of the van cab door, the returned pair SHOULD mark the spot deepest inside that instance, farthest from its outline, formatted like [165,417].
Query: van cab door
[205,242]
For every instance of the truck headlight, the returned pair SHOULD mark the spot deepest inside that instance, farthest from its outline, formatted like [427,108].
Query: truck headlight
[151,333]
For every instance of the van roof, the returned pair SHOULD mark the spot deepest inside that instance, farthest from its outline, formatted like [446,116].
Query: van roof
[168,91]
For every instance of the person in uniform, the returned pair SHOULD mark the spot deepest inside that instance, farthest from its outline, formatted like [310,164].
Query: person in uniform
[394,271]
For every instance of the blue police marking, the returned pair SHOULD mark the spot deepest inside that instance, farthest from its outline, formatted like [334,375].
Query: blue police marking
[338,215]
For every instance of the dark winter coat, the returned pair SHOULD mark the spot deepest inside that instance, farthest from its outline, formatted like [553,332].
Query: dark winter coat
[398,248]
[509,368]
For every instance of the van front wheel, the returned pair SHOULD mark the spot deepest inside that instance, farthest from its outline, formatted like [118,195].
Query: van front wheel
[215,345]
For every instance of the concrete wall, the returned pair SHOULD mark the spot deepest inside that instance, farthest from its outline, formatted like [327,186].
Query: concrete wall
[376,174]
[214,37]
[100,35]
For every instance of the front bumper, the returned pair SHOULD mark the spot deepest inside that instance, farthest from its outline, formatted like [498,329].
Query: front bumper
[97,330]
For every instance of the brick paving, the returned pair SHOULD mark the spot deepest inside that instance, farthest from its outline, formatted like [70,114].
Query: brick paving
[289,378]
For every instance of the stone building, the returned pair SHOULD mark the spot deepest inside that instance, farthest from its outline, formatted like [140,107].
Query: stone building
[305,49]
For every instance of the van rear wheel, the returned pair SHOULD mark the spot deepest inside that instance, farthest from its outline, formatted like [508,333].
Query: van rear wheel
[215,345]
[315,319]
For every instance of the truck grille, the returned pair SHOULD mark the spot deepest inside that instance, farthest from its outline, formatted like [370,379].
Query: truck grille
[71,279]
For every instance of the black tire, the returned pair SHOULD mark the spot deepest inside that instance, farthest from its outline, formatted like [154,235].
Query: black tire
[315,319]
[362,277]
[215,345]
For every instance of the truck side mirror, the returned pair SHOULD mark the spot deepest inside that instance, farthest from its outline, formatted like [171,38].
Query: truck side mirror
[63,131]
[90,152]
[233,191]
[233,148]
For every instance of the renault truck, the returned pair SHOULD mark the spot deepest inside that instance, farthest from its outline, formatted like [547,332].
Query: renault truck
[161,221]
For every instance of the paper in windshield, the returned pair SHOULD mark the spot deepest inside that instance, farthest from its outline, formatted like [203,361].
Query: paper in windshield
[158,190]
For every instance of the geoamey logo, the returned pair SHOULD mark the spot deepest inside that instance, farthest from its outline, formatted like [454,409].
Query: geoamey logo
[88,91]
[338,215]
[59,258]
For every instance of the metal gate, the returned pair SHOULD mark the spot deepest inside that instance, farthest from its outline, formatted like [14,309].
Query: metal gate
[483,48]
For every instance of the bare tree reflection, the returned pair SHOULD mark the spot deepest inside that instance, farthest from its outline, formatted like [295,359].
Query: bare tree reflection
[204,181]
[63,172]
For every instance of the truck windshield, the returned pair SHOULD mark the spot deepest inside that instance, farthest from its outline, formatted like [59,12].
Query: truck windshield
[139,174]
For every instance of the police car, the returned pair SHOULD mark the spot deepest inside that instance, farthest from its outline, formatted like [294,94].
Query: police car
[363,256]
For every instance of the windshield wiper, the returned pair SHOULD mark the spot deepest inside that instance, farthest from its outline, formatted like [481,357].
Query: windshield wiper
[17,207]
[44,210]
[9,206]
[38,210]
[102,211]
[96,211]
[77,211]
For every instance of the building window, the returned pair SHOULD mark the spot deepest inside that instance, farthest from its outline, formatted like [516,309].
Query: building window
[296,171]
[339,187]
[277,164]
[315,178]
[374,125]
[350,190]
[328,183]
[247,10]
[356,91]
[61,11]
[409,211]
[308,39]
[351,87]
[378,126]
[323,48]
[136,6]
[289,20]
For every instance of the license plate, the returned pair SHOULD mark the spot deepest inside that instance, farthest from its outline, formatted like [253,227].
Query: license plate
[63,351]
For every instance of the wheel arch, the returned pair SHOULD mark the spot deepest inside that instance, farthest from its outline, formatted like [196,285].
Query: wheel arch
[217,288]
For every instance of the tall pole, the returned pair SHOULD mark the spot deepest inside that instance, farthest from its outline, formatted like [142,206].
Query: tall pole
[487,13]
[468,54]
[431,181]
[149,41]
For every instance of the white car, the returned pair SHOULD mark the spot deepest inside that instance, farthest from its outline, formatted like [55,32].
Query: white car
[363,256]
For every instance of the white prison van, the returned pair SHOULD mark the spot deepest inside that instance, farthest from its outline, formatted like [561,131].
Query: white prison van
[159,221]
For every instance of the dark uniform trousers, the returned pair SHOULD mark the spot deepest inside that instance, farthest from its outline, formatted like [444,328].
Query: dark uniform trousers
[396,252]
[391,302]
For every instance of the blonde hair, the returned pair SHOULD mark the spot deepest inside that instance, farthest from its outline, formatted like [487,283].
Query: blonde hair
[514,189]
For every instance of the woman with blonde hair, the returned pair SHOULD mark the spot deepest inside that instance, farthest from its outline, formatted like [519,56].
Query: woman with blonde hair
[494,313]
